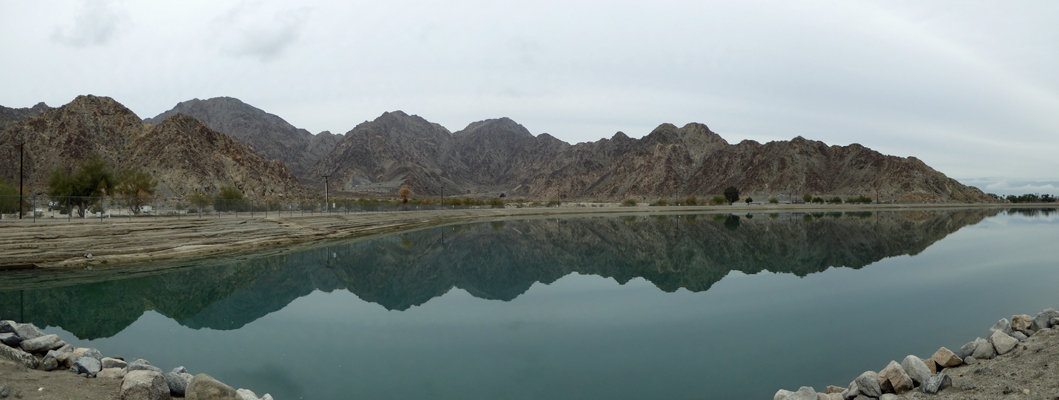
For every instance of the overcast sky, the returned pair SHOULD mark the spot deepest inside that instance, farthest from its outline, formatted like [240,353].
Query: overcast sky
[968,87]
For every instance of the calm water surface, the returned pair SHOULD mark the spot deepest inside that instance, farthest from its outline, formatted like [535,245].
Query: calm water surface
[677,307]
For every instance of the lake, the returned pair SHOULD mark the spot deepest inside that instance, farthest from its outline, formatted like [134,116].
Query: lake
[676,306]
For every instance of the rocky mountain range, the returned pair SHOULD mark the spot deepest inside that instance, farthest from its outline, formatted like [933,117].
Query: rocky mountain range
[494,261]
[181,153]
[269,135]
[485,159]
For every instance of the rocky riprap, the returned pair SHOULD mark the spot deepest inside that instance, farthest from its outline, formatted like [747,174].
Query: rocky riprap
[914,374]
[29,346]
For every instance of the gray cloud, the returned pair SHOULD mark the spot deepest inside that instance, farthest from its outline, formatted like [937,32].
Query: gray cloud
[96,23]
[258,30]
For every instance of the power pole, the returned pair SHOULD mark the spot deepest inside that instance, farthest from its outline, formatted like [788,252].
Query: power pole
[327,205]
[20,174]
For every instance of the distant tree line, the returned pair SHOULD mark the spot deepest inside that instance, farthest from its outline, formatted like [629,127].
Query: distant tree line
[1031,198]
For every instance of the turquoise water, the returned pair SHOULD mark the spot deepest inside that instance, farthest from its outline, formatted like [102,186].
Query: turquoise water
[681,307]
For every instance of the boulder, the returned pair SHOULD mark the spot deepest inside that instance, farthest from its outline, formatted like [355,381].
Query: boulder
[852,391]
[42,344]
[889,396]
[1022,323]
[247,394]
[108,362]
[868,383]
[894,379]
[111,373]
[1019,336]
[1003,325]
[10,339]
[180,370]
[946,358]
[803,393]
[178,385]
[966,350]
[19,356]
[88,365]
[1002,342]
[144,385]
[782,394]
[832,389]
[1043,320]
[204,387]
[8,326]
[983,349]
[28,331]
[916,369]
[94,354]
[142,365]
[936,383]
[51,362]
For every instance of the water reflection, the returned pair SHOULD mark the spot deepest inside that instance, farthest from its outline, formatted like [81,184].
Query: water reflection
[497,260]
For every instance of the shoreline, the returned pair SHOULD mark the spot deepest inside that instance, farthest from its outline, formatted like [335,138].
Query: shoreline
[117,242]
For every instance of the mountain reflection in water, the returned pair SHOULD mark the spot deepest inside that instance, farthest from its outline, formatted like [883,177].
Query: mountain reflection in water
[497,260]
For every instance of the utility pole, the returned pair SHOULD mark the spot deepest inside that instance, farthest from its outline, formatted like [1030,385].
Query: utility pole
[20,174]
[327,205]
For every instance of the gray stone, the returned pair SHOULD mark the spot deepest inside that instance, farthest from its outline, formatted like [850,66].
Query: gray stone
[28,331]
[8,326]
[966,350]
[863,397]
[803,393]
[889,396]
[111,373]
[142,365]
[42,344]
[180,370]
[983,349]
[108,362]
[1019,336]
[177,383]
[19,356]
[970,361]
[782,394]
[1044,319]
[204,387]
[832,389]
[1003,325]
[1022,323]
[144,385]
[1003,343]
[88,365]
[10,339]
[269,397]
[868,383]
[4,392]
[94,354]
[916,369]
[247,394]
[894,379]
[851,392]
[51,362]
[936,383]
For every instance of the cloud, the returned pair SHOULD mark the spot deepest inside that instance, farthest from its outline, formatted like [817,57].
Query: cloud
[1003,186]
[259,31]
[95,23]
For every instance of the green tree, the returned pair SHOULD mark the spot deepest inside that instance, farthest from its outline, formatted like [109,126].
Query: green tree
[749,200]
[773,200]
[92,180]
[718,200]
[807,197]
[9,198]
[137,186]
[229,199]
[731,194]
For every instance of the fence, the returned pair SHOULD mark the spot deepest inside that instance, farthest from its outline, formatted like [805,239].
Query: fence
[51,208]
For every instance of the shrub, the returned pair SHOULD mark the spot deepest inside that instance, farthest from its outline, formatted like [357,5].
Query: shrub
[835,200]
[691,200]
[628,203]
[718,200]
[773,200]
[749,200]
[660,202]
[818,200]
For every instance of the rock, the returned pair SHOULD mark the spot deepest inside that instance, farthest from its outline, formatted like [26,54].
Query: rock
[144,385]
[51,362]
[916,369]
[889,396]
[1019,336]
[108,362]
[932,366]
[868,383]
[1003,325]
[4,392]
[1043,320]
[269,397]
[178,385]
[246,394]
[19,356]
[8,326]
[42,344]
[88,365]
[803,393]
[832,389]
[983,349]
[946,358]
[966,350]
[28,331]
[970,361]
[204,387]
[180,370]
[851,392]
[94,354]
[142,365]
[782,394]
[1003,343]
[10,339]
[1022,323]
[112,373]
[893,378]
[936,383]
